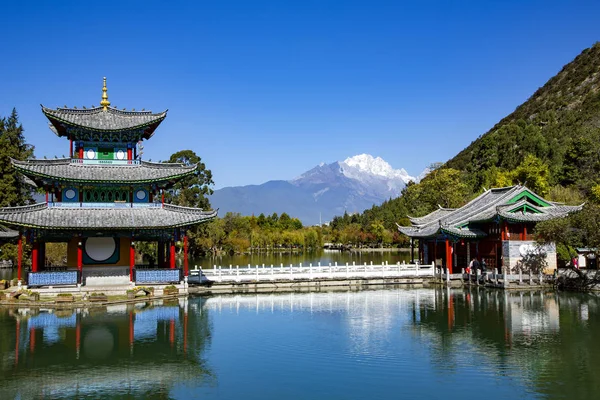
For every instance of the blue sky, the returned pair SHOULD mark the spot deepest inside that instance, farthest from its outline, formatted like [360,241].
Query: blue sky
[266,90]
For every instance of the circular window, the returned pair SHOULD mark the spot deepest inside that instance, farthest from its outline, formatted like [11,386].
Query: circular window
[100,248]
[69,194]
[120,155]
[140,194]
[91,154]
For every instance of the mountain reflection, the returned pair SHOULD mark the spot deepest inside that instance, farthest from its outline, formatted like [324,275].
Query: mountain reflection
[546,339]
[528,344]
[139,351]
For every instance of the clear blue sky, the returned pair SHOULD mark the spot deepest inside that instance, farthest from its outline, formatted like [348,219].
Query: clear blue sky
[266,90]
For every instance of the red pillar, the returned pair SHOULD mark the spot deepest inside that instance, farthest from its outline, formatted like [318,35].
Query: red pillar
[524,232]
[448,256]
[71,148]
[20,256]
[185,256]
[162,200]
[129,154]
[81,153]
[131,260]
[80,257]
[34,257]
[172,254]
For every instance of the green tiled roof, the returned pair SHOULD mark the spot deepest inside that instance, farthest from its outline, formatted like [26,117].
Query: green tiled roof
[512,204]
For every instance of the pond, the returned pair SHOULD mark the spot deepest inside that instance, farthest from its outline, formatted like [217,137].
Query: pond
[324,257]
[371,344]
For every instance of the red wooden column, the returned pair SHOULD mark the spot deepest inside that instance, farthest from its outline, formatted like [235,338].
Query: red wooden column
[80,258]
[449,256]
[131,260]
[524,231]
[81,153]
[172,254]
[71,148]
[20,256]
[185,256]
[34,256]
[129,157]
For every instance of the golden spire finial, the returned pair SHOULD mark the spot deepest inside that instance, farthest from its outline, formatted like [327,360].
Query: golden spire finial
[104,103]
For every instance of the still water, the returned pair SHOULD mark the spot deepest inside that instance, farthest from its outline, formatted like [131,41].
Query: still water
[295,258]
[372,344]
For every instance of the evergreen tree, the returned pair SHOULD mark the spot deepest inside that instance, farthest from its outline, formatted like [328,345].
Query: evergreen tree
[13,190]
[192,190]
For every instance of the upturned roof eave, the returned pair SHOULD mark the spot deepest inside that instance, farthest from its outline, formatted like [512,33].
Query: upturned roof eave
[200,218]
[21,166]
[51,115]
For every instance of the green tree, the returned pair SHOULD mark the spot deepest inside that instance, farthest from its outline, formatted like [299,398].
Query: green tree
[13,190]
[192,190]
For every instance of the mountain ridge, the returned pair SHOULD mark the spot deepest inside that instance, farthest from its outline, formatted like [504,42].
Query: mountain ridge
[317,195]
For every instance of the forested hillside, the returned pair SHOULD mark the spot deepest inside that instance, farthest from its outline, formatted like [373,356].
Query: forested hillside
[559,124]
[551,143]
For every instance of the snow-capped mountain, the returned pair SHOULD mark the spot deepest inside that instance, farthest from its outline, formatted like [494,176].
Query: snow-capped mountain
[352,185]
[366,163]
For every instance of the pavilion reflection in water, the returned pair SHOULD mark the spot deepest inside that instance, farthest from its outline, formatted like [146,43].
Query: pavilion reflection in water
[130,350]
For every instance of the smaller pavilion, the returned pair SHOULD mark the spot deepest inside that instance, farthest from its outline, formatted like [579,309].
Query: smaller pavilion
[495,227]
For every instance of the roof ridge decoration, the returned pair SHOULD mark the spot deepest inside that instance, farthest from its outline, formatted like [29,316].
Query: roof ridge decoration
[104,103]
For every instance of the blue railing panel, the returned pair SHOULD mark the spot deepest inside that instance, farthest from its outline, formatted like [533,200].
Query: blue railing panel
[52,278]
[157,275]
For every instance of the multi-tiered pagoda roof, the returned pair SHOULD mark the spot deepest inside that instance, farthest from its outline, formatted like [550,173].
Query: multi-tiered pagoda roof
[117,132]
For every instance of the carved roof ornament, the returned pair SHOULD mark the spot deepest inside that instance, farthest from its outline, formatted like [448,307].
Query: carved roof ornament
[105,103]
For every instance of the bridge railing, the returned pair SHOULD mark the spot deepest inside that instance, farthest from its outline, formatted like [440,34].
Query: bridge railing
[309,272]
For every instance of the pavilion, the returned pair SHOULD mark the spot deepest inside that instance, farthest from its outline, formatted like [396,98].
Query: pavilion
[495,227]
[102,200]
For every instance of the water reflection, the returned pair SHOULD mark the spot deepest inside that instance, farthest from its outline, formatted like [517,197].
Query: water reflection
[139,350]
[418,342]
[295,258]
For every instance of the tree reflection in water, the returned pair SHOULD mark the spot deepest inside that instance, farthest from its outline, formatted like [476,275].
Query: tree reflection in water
[139,350]
[361,344]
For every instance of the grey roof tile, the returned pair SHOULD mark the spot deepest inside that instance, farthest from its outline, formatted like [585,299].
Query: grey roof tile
[42,216]
[66,171]
[99,119]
